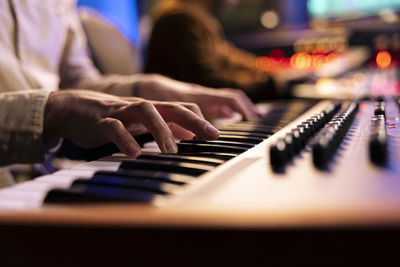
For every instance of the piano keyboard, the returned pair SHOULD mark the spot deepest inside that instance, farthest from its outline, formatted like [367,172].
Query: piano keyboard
[151,177]
[304,162]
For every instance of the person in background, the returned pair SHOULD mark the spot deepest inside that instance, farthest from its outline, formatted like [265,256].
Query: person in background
[187,43]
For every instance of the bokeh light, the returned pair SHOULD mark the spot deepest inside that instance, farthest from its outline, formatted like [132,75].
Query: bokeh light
[383,59]
[269,19]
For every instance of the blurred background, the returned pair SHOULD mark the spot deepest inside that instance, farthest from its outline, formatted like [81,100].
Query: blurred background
[291,35]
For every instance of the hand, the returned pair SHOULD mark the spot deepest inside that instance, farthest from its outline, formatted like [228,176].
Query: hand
[91,119]
[219,102]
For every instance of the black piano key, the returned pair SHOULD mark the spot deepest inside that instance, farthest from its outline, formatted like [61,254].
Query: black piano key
[250,129]
[183,158]
[145,174]
[214,155]
[244,139]
[272,122]
[218,142]
[194,148]
[81,193]
[252,124]
[211,161]
[167,166]
[153,186]
[244,134]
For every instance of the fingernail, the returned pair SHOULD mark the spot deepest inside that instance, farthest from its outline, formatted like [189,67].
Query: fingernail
[171,146]
[133,150]
[211,130]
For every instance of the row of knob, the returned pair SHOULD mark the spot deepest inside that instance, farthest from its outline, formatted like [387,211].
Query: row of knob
[328,140]
[295,140]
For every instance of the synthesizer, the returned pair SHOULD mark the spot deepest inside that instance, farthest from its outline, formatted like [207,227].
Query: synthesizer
[297,179]
[305,162]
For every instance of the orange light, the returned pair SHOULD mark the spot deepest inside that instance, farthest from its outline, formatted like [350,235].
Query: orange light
[267,64]
[317,61]
[301,60]
[331,57]
[260,63]
[293,59]
[383,59]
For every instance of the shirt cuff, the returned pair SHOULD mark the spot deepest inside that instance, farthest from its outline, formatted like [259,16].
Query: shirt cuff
[21,126]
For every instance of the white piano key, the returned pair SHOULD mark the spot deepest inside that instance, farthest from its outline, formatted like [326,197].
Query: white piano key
[74,172]
[98,165]
[34,186]
[25,195]
[32,193]
[17,204]
[59,180]
[151,147]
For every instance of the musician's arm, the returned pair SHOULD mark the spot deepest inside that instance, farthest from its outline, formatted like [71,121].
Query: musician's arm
[77,71]
[91,119]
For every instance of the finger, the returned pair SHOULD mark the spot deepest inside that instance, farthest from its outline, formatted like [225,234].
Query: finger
[191,106]
[235,103]
[147,114]
[246,101]
[136,129]
[179,132]
[113,130]
[194,108]
[219,111]
[188,120]
[250,104]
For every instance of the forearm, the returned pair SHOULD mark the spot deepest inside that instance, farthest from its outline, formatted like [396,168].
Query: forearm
[21,126]
[120,85]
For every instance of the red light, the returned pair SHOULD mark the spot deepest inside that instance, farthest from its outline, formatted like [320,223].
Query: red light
[276,53]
